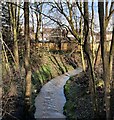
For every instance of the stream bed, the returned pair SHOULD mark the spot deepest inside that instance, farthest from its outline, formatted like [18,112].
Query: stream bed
[50,101]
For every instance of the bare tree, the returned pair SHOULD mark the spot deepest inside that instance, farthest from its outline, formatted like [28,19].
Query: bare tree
[27,54]
[106,56]
[14,10]
[38,7]
[81,39]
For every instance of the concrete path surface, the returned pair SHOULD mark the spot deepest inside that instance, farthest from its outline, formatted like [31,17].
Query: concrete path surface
[50,101]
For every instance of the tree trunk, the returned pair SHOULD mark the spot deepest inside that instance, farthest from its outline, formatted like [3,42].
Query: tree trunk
[32,20]
[81,47]
[13,10]
[88,53]
[27,54]
[105,58]
[112,74]
[36,35]
[93,53]
[39,21]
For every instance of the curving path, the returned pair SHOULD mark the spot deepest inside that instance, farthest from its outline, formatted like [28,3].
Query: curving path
[50,101]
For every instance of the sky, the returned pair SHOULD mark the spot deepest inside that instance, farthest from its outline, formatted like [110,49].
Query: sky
[46,9]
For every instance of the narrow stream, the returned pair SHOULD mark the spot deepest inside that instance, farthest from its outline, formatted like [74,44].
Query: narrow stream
[50,101]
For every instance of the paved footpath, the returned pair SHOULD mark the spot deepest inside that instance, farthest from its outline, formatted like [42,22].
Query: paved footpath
[50,101]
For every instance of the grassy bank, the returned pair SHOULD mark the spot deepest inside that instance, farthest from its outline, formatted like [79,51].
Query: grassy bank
[78,104]
[78,98]
[44,66]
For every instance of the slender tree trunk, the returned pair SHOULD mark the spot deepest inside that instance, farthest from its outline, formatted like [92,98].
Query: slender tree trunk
[81,47]
[27,55]
[39,21]
[111,57]
[5,60]
[18,19]
[105,58]
[96,55]
[16,52]
[112,74]
[40,27]
[36,35]
[32,21]
[88,53]
[93,54]
[13,10]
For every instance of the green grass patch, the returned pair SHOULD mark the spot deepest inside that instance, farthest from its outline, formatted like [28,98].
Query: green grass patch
[78,103]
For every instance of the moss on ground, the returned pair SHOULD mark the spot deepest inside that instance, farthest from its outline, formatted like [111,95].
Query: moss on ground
[78,98]
[78,103]
[45,70]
